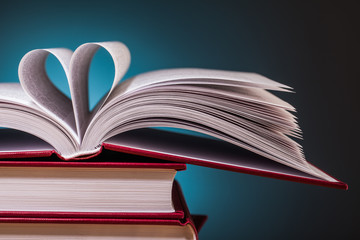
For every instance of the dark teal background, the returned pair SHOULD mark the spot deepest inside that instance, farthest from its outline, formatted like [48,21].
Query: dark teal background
[309,45]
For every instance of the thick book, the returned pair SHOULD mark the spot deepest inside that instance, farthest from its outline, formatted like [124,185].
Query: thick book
[95,227]
[234,107]
[113,189]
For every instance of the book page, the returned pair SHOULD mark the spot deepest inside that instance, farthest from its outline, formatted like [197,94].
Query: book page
[37,85]
[201,76]
[13,92]
[248,117]
[238,131]
[18,111]
[78,81]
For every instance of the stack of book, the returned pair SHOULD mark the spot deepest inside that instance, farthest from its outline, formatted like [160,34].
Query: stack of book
[106,173]
[96,199]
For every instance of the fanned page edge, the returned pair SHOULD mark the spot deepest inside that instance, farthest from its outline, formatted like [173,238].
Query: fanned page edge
[192,75]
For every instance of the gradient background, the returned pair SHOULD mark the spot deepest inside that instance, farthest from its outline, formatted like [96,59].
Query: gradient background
[311,46]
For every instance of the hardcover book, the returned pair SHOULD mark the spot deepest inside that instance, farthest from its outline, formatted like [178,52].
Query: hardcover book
[112,189]
[236,108]
[96,227]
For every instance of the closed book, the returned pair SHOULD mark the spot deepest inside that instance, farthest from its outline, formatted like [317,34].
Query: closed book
[107,189]
[95,227]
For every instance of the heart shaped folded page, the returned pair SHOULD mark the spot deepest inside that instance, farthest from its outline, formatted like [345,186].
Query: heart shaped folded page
[73,113]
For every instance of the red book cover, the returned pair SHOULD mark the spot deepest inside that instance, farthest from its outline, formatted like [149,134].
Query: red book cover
[169,146]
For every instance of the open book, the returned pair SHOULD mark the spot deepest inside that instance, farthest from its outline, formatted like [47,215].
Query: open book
[234,107]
